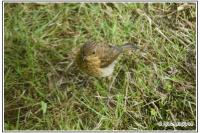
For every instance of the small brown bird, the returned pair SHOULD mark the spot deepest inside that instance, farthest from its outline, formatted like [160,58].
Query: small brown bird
[98,59]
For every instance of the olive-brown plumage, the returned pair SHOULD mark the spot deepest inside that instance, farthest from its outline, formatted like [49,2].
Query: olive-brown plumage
[98,59]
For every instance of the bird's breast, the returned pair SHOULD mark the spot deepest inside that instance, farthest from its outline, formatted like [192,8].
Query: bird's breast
[91,66]
[107,71]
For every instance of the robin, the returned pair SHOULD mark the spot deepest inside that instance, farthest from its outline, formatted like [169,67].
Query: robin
[98,59]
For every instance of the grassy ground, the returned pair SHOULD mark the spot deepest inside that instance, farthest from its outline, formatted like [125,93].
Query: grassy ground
[44,89]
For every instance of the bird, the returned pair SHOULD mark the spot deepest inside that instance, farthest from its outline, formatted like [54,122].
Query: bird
[99,59]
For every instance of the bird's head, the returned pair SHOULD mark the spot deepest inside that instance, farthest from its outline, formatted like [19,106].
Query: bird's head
[88,52]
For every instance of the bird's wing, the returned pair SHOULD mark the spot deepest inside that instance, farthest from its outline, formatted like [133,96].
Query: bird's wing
[108,54]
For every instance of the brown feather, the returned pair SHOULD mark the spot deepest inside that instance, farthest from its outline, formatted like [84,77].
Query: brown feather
[93,58]
[108,54]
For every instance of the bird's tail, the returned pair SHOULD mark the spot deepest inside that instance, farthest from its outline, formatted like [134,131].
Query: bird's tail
[129,46]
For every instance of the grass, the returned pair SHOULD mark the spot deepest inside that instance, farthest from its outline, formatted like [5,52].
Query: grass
[44,90]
